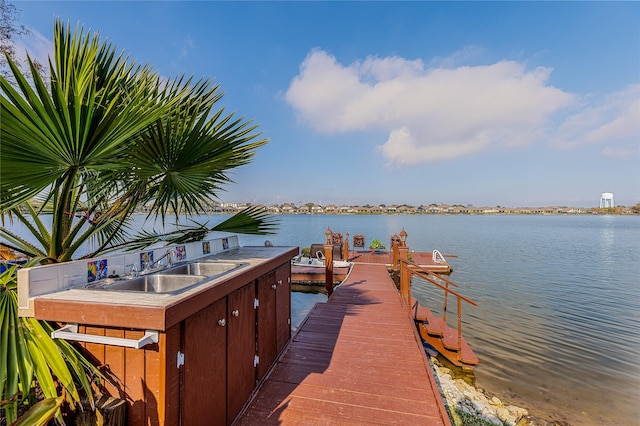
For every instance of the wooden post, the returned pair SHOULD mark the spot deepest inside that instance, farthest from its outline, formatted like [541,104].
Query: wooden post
[345,251]
[403,282]
[404,253]
[394,246]
[328,261]
[328,265]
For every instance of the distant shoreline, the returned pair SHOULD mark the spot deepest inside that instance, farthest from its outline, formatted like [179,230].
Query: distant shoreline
[469,211]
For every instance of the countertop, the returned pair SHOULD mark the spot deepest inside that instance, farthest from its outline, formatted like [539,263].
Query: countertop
[149,311]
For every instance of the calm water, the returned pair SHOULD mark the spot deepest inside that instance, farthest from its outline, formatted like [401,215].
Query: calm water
[557,329]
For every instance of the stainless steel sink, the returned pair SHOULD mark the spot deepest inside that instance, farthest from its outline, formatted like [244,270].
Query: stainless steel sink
[171,280]
[208,269]
[155,283]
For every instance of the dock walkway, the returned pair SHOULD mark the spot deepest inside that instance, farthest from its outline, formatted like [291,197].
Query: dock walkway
[356,359]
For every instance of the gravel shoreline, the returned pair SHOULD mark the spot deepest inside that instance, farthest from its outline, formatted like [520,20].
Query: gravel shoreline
[460,396]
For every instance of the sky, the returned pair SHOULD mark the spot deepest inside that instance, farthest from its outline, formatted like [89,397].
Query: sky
[476,103]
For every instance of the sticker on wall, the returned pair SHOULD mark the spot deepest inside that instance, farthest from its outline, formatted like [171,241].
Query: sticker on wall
[206,247]
[97,270]
[225,243]
[92,271]
[146,259]
[181,253]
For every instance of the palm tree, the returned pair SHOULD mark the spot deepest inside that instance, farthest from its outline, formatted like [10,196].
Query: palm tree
[103,137]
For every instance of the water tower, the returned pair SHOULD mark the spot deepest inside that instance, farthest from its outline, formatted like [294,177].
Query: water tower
[606,200]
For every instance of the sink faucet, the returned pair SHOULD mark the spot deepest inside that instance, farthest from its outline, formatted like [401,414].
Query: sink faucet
[134,269]
[168,255]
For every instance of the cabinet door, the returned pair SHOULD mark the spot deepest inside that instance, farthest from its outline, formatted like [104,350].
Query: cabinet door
[266,318]
[241,348]
[283,305]
[204,390]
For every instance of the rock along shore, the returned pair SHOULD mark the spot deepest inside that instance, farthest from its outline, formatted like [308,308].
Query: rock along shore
[460,395]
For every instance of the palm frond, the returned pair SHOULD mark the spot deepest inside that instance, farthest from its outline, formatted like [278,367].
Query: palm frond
[254,220]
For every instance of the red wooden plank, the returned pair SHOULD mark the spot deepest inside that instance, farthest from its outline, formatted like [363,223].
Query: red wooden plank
[134,381]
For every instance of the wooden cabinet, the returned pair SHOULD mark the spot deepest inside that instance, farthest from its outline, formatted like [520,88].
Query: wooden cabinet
[267,347]
[205,366]
[241,349]
[274,316]
[203,377]
[219,347]
[283,305]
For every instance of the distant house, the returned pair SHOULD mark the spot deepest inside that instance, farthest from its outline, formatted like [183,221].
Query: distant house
[331,209]
[274,209]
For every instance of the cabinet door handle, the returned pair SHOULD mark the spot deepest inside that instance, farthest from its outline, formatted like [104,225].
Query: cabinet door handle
[279,282]
[235,313]
[273,286]
[222,322]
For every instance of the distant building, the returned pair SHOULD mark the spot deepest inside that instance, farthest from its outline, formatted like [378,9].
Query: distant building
[606,200]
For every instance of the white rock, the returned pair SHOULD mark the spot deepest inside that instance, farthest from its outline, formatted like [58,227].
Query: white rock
[517,412]
[469,395]
[493,419]
[496,401]
[487,411]
[465,409]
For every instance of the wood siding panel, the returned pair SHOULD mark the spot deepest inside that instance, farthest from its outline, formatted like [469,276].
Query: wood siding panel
[96,350]
[151,382]
[134,380]
[114,365]
[169,401]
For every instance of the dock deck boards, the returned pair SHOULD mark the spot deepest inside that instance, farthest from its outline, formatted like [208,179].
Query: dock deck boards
[316,276]
[386,257]
[356,359]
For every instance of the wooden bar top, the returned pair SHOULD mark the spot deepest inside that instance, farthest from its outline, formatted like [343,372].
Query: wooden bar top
[149,311]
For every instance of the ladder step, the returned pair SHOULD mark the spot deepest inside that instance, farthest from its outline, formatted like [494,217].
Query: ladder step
[420,313]
[434,325]
[467,356]
[462,358]
[450,339]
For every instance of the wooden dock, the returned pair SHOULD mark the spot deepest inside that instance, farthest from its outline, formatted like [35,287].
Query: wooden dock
[356,359]
[316,276]
[422,259]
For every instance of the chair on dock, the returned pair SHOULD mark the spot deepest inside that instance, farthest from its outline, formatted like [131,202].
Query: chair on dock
[315,248]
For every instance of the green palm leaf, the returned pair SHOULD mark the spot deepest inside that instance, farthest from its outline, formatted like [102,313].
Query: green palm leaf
[40,413]
[252,220]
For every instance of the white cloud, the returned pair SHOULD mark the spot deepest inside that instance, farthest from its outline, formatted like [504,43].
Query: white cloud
[625,151]
[610,119]
[430,114]
[461,57]
[36,45]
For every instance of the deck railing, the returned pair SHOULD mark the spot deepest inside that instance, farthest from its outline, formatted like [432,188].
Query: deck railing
[409,269]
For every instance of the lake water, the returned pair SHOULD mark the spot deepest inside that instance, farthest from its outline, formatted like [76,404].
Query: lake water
[557,329]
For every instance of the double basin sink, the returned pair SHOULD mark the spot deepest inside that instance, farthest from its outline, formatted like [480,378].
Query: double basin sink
[171,280]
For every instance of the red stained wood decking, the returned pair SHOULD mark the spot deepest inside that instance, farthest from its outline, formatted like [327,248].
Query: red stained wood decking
[355,360]
[316,276]
[423,259]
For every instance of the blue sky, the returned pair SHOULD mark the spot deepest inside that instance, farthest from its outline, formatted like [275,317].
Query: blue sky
[483,103]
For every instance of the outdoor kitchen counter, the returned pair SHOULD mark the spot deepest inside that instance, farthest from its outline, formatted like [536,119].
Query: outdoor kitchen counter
[158,311]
